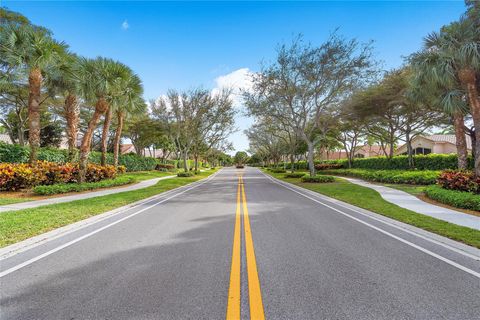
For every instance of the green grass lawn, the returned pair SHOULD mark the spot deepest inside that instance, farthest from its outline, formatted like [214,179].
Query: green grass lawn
[22,224]
[9,200]
[145,175]
[414,190]
[369,199]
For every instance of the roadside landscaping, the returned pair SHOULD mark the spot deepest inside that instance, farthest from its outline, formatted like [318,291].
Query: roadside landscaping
[424,177]
[371,200]
[22,224]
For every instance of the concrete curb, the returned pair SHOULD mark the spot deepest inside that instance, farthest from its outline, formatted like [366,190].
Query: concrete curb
[34,241]
[429,236]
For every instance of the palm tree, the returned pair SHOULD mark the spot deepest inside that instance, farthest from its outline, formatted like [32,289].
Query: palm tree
[121,77]
[130,101]
[98,79]
[35,50]
[451,59]
[66,82]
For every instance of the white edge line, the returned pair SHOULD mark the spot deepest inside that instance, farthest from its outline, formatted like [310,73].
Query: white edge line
[448,261]
[65,245]
[381,220]
[35,241]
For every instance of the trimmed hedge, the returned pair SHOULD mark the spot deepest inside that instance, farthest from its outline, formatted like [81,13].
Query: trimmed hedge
[318,179]
[294,175]
[422,162]
[278,170]
[79,187]
[11,153]
[14,153]
[458,199]
[425,177]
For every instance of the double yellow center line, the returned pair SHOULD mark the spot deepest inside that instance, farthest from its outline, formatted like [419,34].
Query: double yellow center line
[254,293]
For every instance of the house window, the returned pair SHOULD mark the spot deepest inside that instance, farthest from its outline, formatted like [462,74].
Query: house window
[421,150]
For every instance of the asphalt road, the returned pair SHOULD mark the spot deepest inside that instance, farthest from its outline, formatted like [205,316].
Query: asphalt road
[196,252]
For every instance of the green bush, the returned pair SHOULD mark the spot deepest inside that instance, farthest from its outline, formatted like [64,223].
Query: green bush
[185,174]
[458,199]
[13,153]
[294,175]
[318,179]
[278,170]
[424,177]
[79,187]
[422,162]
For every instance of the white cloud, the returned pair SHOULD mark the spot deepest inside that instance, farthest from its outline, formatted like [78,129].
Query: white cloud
[237,81]
[125,25]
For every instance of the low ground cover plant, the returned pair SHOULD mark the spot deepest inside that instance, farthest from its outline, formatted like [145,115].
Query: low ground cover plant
[79,187]
[318,179]
[423,177]
[458,199]
[294,175]
[278,170]
[185,174]
[165,167]
[15,176]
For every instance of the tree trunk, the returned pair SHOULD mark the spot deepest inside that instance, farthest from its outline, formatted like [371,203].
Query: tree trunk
[72,117]
[21,136]
[409,149]
[292,163]
[100,107]
[35,83]
[461,141]
[311,163]
[106,128]
[185,163]
[196,163]
[469,80]
[118,135]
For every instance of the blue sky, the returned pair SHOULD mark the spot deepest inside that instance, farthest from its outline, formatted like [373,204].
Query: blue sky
[184,45]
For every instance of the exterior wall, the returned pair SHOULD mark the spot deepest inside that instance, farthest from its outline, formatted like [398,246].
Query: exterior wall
[445,148]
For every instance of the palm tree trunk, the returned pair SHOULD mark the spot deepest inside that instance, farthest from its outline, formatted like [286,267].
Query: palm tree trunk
[35,83]
[461,141]
[106,128]
[100,107]
[118,135]
[469,80]
[72,117]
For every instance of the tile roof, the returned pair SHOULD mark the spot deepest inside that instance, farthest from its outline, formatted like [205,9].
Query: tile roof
[449,138]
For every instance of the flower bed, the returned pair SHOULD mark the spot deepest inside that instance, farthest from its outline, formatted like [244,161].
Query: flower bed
[19,176]
[459,180]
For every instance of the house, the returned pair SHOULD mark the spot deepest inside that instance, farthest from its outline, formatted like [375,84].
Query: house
[5,138]
[147,152]
[365,151]
[437,143]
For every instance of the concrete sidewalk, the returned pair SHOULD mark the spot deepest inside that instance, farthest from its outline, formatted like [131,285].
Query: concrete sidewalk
[81,196]
[410,202]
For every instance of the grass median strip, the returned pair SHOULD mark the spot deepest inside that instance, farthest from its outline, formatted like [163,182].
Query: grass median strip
[369,199]
[19,225]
